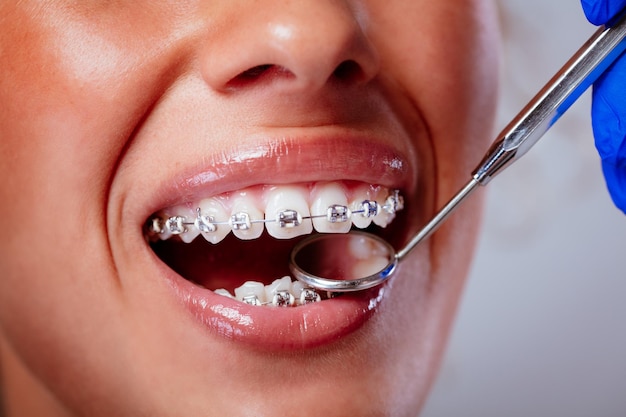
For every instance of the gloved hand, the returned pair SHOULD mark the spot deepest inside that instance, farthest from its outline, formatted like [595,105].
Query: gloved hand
[609,108]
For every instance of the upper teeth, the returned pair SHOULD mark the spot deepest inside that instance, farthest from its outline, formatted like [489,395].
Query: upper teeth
[290,211]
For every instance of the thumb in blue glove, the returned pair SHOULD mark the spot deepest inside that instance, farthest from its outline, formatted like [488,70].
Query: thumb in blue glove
[609,108]
[599,12]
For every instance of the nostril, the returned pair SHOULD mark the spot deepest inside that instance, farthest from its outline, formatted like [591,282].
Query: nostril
[257,74]
[347,71]
[254,72]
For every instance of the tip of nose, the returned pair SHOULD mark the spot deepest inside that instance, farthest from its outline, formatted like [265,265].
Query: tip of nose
[294,51]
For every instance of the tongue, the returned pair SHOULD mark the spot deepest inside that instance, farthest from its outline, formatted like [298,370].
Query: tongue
[228,264]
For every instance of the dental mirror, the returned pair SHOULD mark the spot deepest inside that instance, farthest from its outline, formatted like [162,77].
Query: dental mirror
[357,261]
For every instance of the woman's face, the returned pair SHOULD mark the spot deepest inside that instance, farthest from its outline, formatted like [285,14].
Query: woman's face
[114,112]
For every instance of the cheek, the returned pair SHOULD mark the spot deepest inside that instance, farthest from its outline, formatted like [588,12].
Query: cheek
[462,112]
[53,286]
[60,140]
[444,55]
[69,107]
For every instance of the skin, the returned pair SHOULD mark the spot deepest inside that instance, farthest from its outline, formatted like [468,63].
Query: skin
[91,95]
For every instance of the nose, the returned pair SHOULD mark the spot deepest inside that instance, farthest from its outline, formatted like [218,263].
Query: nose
[298,45]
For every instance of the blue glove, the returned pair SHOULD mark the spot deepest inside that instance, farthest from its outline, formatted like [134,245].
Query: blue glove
[608,110]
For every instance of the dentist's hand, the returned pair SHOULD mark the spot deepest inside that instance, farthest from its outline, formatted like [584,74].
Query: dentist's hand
[609,108]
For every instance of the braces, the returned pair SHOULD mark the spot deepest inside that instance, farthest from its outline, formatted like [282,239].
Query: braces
[335,213]
[286,299]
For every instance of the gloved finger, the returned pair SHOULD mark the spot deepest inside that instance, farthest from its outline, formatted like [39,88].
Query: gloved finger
[609,128]
[599,12]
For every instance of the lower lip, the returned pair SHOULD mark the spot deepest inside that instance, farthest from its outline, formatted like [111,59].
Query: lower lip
[276,328]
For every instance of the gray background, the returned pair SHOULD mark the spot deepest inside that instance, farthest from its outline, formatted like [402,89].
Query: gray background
[542,326]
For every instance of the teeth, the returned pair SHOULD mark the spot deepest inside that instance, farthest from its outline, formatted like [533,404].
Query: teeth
[287,212]
[308,296]
[371,266]
[189,231]
[394,202]
[362,248]
[372,256]
[223,293]
[242,221]
[204,223]
[209,216]
[280,293]
[386,214]
[297,287]
[364,206]
[157,228]
[283,299]
[281,284]
[251,292]
[176,225]
[287,206]
[331,204]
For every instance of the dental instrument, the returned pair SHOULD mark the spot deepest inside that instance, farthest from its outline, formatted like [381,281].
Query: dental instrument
[313,260]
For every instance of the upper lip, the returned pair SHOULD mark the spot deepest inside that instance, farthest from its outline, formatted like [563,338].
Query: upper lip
[287,159]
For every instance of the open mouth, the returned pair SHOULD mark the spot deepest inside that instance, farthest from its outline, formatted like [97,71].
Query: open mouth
[237,244]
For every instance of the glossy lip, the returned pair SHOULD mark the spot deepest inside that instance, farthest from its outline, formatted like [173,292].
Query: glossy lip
[276,328]
[288,161]
[316,159]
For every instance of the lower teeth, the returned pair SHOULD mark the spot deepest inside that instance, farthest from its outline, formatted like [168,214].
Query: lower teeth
[276,294]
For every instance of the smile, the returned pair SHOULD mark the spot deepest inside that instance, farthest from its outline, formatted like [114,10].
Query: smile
[221,239]
[284,212]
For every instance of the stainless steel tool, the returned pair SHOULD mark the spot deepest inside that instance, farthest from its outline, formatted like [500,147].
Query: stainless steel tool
[535,119]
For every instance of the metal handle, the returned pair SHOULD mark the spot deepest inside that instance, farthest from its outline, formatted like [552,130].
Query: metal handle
[550,103]
[553,100]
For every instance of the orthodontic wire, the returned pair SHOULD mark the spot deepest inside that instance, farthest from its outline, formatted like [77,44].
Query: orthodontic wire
[393,203]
